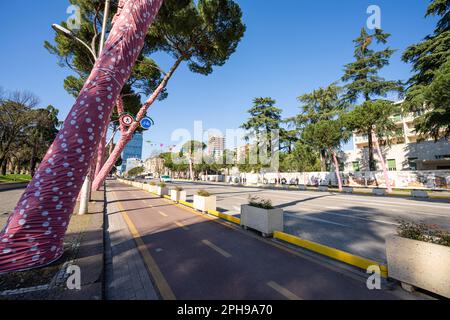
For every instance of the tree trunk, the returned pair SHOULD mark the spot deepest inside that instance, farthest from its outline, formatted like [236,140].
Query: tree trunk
[372,166]
[33,161]
[3,165]
[323,161]
[34,235]
[126,137]
[337,170]
[383,163]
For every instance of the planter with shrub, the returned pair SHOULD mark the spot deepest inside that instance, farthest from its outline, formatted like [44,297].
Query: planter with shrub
[204,201]
[260,215]
[419,256]
[153,188]
[162,190]
[177,194]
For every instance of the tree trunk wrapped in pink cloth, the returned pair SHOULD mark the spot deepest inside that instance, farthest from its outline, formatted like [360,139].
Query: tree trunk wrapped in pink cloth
[35,231]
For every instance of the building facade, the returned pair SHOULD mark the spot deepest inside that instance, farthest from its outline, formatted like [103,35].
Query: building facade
[133,163]
[155,165]
[406,151]
[132,150]
[216,146]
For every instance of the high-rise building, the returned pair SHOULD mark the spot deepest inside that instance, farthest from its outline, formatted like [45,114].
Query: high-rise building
[216,145]
[132,150]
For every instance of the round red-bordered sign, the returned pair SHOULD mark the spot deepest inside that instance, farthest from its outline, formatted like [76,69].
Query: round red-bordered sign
[126,119]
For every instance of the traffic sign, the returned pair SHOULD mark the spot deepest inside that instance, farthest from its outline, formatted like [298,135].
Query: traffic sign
[147,123]
[126,119]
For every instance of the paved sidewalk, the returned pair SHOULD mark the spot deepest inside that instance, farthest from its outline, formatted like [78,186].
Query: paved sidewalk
[83,248]
[128,275]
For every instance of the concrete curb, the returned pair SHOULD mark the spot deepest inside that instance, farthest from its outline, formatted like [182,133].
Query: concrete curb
[13,186]
[332,253]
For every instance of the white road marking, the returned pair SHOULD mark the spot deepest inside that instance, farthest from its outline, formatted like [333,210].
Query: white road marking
[283,291]
[163,214]
[318,220]
[216,248]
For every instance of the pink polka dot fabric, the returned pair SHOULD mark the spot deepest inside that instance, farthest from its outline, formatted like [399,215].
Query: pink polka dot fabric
[34,234]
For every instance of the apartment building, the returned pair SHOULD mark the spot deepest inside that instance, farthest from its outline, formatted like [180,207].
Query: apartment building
[216,145]
[406,151]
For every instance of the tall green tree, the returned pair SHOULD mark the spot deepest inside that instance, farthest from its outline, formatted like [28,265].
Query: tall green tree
[264,119]
[15,120]
[328,135]
[322,104]
[42,131]
[429,60]
[374,116]
[362,76]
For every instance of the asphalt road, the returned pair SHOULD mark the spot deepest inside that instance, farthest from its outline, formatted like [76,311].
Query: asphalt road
[354,223]
[8,201]
[199,258]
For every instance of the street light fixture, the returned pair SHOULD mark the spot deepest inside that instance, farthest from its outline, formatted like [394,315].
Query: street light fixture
[66,32]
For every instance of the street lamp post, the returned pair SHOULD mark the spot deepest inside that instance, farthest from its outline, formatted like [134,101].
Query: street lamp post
[85,194]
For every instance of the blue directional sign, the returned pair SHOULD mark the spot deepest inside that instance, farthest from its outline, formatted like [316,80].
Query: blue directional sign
[147,123]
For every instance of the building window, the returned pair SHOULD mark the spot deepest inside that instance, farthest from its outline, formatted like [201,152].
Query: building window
[392,166]
[412,164]
[356,167]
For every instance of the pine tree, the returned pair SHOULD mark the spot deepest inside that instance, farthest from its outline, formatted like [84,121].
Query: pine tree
[429,59]
[363,78]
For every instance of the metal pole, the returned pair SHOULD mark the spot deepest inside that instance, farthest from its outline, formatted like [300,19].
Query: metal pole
[86,189]
[105,21]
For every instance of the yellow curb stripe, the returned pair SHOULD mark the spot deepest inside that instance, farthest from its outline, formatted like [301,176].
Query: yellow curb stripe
[168,197]
[335,254]
[224,216]
[216,248]
[439,197]
[163,287]
[283,291]
[187,204]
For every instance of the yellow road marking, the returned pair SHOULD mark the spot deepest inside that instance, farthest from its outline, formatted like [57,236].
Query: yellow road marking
[163,214]
[216,248]
[333,253]
[163,287]
[283,291]
[181,225]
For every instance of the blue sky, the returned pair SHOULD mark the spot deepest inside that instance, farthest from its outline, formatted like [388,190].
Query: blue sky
[291,47]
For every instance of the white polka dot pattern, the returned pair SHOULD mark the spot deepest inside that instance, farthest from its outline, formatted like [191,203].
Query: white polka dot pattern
[34,234]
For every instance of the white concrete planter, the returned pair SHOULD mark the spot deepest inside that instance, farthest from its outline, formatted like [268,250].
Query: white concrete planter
[419,194]
[302,187]
[262,220]
[205,203]
[419,264]
[146,187]
[323,188]
[153,189]
[162,191]
[347,189]
[379,192]
[178,196]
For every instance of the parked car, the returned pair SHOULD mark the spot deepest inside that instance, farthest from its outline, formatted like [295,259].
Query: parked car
[149,177]
[165,179]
